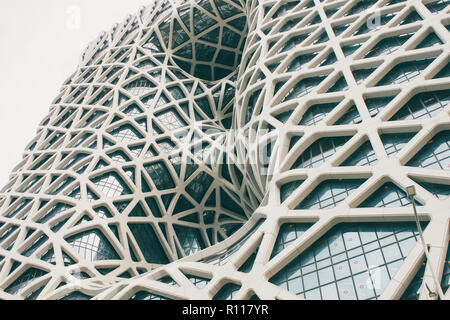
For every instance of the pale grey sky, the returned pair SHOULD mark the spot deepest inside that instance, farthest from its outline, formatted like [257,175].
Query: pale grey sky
[41,42]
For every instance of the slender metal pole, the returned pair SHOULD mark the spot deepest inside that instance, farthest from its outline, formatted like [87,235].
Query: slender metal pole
[425,249]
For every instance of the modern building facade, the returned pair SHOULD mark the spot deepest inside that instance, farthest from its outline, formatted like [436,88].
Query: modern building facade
[232,149]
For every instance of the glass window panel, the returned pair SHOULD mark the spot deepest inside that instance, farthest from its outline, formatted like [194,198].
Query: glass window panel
[435,154]
[93,246]
[352,274]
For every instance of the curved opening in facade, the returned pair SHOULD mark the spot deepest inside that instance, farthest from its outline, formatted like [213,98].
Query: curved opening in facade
[206,38]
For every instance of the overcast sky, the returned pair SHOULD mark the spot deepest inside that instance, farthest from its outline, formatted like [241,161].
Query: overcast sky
[41,42]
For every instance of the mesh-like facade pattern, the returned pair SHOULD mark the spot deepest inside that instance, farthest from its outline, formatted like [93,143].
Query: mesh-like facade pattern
[231,149]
